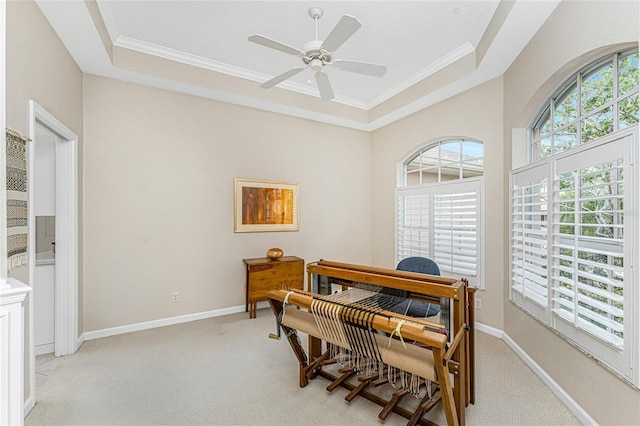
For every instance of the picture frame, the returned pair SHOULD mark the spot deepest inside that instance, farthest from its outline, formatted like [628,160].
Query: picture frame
[266,206]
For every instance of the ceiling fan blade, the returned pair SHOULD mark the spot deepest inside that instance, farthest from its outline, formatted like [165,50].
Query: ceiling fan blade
[324,86]
[346,26]
[361,67]
[282,77]
[257,38]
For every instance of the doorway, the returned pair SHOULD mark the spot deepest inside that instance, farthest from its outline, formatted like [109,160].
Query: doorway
[44,210]
[66,333]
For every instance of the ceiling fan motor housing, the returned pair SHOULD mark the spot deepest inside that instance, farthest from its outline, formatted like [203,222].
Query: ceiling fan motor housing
[312,50]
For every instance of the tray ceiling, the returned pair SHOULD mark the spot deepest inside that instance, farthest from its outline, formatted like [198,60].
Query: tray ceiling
[432,50]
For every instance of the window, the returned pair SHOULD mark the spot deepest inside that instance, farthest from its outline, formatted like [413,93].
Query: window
[597,101]
[439,208]
[572,251]
[446,160]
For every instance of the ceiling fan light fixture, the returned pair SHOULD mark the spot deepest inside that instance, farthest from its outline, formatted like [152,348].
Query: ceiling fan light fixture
[316,64]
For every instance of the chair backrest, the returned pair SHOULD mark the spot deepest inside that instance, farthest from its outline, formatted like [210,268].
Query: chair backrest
[414,308]
[422,265]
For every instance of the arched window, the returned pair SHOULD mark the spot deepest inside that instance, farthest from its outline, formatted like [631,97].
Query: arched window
[446,160]
[440,205]
[600,99]
[574,228]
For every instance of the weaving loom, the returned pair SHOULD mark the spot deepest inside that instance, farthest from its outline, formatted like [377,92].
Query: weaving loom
[365,335]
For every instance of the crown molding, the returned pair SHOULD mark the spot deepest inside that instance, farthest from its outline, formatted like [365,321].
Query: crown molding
[441,63]
[221,67]
[184,58]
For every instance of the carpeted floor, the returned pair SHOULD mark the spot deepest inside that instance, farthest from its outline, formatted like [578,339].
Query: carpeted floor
[226,371]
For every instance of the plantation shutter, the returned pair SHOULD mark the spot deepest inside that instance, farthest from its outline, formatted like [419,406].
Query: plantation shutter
[588,251]
[571,249]
[529,238]
[443,222]
[456,217]
[413,225]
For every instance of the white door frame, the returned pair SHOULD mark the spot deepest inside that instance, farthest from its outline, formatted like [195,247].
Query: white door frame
[66,270]
[3,162]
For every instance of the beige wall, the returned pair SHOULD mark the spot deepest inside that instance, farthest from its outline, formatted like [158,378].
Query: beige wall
[475,114]
[39,67]
[158,213]
[574,34]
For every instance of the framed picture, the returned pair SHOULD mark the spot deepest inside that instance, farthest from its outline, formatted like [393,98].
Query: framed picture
[263,206]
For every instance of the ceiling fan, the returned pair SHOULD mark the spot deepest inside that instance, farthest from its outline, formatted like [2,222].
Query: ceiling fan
[318,53]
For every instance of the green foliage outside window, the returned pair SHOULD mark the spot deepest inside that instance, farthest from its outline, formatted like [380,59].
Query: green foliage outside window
[591,204]
[601,110]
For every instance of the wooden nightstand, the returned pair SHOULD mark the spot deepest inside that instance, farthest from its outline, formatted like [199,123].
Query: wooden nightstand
[264,274]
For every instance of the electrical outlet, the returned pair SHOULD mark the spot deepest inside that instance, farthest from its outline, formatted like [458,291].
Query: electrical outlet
[175,297]
[478,304]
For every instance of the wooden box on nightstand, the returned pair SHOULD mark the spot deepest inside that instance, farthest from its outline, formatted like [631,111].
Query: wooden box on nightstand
[264,274]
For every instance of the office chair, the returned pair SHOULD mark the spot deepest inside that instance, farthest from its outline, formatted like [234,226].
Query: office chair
[414,308]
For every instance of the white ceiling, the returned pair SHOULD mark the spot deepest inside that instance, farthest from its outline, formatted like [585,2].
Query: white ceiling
[414,39]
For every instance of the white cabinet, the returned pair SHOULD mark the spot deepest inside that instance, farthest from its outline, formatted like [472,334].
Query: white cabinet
[12,298]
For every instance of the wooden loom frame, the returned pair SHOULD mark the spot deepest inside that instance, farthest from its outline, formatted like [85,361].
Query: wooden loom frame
[458,359]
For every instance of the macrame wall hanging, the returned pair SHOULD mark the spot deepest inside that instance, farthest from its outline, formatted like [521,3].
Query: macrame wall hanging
[16,199]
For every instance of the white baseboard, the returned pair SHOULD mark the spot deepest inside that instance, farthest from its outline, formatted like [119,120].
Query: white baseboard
[569,402]
[489,330]
[28,405]
[106,332]
[46,348]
